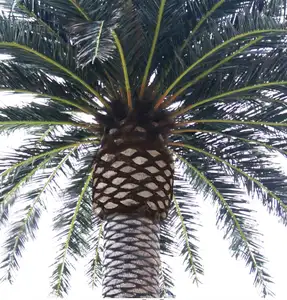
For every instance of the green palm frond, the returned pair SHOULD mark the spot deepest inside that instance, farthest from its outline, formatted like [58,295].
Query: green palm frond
[215,69]
[56,15]
[51,56]
[167,280]
[234,215]
[168,248]
[216,50]
[249,171]
[234,135]
[74,223]
[67,102]
[36,114]
[20,165]
[24,228]
[94,267]
[184,218]
[94,41]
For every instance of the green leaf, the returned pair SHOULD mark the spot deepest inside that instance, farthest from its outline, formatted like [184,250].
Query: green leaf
[61,267]
[74,222]
[94,271]
[236,93]
[282,206]
[240,227]
[155,38]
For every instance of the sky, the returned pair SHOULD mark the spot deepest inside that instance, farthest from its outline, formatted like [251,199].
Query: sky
[224,278]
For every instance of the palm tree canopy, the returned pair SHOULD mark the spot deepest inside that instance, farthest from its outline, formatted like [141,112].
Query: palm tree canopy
[210,73]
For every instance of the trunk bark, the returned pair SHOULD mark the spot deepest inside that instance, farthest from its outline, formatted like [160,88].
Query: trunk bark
[131,256]
[132,192]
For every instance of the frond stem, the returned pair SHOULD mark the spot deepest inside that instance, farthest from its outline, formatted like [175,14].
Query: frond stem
[154,42]
[97,253]
[80,10]
[35,123]
[98,40]
[125,69]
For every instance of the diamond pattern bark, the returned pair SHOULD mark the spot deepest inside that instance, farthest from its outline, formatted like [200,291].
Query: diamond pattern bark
[131,257]
[132,173]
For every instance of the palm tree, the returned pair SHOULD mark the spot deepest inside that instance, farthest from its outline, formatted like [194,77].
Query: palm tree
[122,90]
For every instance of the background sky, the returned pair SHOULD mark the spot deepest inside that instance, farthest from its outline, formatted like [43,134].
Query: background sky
[225,278]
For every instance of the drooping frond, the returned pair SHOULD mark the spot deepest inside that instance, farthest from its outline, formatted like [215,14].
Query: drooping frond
[166,280]
[168,248]
[35,165]
[234,216]
[33,203]
[94,266]
[43,144]
[184,219]
[74,223]
[208,77]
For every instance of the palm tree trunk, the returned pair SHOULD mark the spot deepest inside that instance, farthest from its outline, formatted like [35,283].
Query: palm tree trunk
[132,191]
[131,256]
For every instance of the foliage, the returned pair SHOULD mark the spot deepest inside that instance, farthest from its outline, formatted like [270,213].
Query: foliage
[217,68]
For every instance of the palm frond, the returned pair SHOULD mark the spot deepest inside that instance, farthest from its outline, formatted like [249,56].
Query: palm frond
[32,202]
[217,45]
[275,202]
[50,55]
[94,41]
[36,114]
[253,123]
[168,248]
[166,283]
[155,38]
[125,70]
[74,223]
[17,167]
[232,135]
[184,219]
[233,214]
[10,197]
[56,14]
[68,103]
[236,94]
[94,267]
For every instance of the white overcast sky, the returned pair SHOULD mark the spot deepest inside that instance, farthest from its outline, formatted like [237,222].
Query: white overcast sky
[225,278]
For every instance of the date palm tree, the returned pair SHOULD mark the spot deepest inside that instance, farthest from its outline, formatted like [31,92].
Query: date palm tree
[121,93]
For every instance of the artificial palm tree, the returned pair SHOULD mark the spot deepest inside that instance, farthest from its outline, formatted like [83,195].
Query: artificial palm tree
[122,90]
